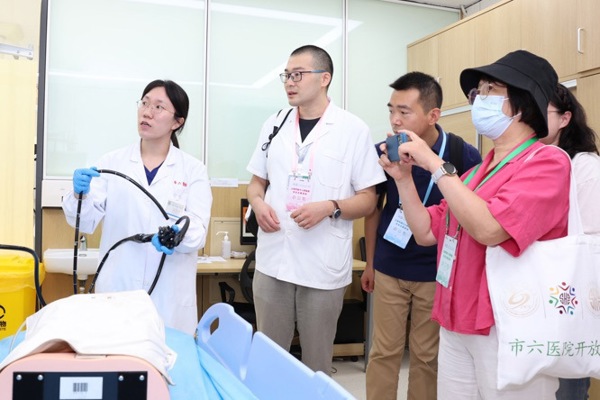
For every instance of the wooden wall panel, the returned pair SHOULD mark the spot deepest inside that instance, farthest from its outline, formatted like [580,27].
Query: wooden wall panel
[18,97]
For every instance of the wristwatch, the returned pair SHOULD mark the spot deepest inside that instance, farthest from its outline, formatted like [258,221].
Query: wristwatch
[336,210]
[445,169]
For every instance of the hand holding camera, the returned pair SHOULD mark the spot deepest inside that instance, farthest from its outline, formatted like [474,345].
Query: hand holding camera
[392,143]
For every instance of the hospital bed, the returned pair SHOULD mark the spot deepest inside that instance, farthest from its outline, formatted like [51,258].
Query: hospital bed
[229,362]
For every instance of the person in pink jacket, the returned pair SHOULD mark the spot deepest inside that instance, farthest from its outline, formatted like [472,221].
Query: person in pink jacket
[515,197]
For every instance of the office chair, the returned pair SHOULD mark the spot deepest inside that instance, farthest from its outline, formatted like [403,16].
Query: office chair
[245,310]
[362,245]
[350,326]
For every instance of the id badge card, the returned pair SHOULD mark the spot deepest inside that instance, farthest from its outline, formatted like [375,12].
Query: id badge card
[175,209]
[299,191]
[398,231]
[176,205]
[446,260]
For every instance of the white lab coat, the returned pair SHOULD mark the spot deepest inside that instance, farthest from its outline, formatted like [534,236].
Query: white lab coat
[344,162]
[126,211]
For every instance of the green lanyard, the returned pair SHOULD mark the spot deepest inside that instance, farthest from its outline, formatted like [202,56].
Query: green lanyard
[501,164]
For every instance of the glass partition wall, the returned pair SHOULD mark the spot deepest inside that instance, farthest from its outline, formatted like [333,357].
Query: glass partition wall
[96,57]
[101,54]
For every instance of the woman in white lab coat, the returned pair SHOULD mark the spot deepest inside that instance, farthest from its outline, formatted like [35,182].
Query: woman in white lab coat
[180,184]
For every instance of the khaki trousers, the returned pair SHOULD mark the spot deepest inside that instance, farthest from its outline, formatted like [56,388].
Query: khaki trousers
[393,300]
[280,306]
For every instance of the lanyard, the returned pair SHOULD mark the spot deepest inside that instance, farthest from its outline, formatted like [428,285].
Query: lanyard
[501,164]
[311,148]
[441,154]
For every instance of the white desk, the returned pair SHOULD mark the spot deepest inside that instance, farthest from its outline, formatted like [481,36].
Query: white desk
[234,266]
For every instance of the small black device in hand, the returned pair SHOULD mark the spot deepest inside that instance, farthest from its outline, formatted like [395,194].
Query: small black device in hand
[166,235]
[392,143]
[170,237]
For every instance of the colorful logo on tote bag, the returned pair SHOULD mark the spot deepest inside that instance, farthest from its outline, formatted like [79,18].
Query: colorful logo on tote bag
[563,298]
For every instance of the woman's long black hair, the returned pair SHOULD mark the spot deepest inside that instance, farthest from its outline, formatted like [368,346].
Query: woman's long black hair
[577,136]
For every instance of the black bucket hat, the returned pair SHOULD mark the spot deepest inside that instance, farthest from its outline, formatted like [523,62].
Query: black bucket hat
[520,69]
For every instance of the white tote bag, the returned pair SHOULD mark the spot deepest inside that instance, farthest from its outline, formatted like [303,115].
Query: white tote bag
[546,305]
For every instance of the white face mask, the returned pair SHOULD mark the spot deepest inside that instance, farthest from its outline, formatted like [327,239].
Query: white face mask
[488,118]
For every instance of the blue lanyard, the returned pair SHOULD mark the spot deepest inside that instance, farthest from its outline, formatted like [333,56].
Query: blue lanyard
[442,148]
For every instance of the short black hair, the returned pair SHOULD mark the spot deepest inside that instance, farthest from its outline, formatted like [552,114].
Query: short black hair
[522,101]
[430,91]
[321,57]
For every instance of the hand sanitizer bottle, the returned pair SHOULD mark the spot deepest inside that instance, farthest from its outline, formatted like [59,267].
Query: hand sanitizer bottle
[225,245]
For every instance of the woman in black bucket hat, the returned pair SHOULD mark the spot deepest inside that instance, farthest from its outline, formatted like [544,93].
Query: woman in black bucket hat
[515,197]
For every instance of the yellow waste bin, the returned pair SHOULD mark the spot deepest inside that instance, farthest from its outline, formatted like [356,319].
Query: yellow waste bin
[17,290]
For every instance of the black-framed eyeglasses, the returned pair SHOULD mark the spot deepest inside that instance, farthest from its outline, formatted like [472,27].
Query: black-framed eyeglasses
[154,108]
[296,76]
[483,91]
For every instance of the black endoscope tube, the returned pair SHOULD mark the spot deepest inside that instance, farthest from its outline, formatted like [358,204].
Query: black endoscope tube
[186,223]
[158,272]
[76,242]
[145,238]
[131,238]
[114,246]
[110,171]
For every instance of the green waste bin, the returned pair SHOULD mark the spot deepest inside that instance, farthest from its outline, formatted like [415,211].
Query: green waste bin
[17,290]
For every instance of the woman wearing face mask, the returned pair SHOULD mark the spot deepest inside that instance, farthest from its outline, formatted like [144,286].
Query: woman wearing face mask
[568,129]
[515,197]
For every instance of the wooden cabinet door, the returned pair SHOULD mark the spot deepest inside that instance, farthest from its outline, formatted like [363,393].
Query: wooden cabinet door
[456,49]
[423,56]
[497,33]
[587,94]
[460,124]
[549,30]
[588,34]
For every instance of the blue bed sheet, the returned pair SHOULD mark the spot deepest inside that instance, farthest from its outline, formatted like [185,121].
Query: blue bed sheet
[196,375]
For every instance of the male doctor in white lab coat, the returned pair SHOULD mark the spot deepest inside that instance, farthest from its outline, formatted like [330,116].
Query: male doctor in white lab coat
[315,177]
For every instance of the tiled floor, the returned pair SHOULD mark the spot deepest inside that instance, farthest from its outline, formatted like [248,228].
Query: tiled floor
[351,375]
